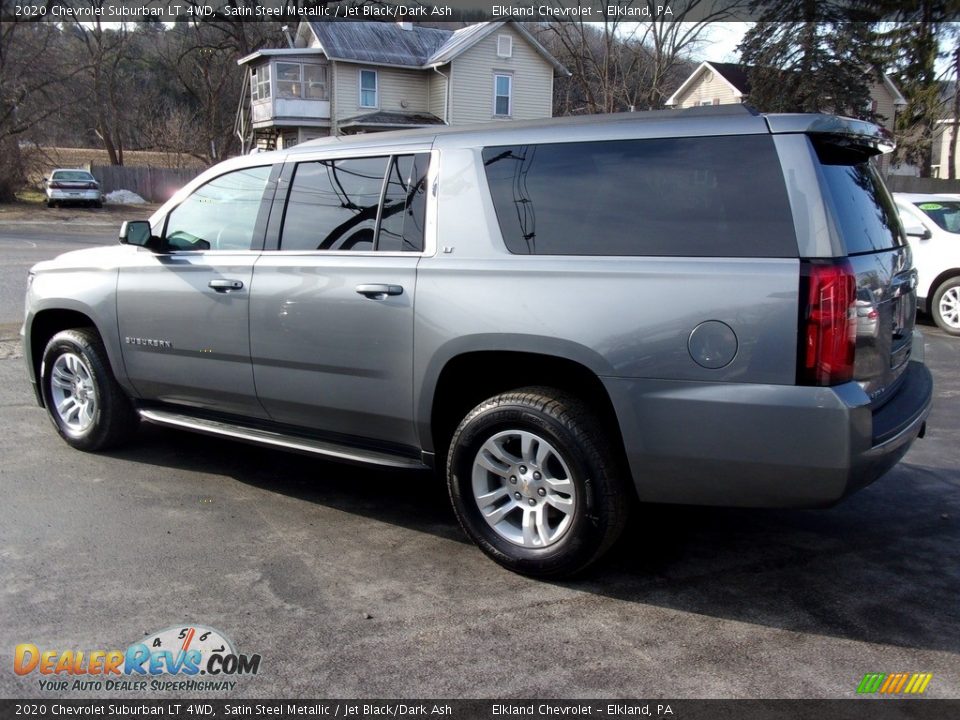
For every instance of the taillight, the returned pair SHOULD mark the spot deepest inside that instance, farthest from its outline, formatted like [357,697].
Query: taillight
[91,186]
[56,186]
[828,322]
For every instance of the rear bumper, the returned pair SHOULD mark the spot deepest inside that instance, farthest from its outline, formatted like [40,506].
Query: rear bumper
[74,195]
[751,445]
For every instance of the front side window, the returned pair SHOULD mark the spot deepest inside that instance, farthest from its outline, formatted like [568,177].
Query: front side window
[368,88]
[260,82]
[945,214]
[357,204]
[681,197]
[220,215]
[502,95]
[288,80]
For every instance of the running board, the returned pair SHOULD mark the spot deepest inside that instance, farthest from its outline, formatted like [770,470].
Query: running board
[279,440]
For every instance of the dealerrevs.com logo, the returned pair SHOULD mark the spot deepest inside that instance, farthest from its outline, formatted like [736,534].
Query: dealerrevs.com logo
[185,651]
[894,683]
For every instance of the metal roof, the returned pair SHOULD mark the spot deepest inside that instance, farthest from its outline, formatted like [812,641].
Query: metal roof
[382,43]
[384,118]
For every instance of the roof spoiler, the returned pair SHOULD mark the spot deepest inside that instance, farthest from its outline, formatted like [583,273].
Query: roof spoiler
[858,136]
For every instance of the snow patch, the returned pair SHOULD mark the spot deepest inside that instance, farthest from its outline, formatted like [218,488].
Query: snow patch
[124,197]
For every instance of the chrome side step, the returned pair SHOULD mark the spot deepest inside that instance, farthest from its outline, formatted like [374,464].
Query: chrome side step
[279,440]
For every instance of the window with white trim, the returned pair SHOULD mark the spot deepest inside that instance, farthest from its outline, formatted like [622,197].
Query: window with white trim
[298,80]
[502,95]
[260,82]
[368,89]
[504,46]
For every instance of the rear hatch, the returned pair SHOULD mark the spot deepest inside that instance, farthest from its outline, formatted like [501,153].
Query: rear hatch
[878,256]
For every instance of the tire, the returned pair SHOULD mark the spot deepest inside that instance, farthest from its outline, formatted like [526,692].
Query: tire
[945,306]
[98,204]
[536,462]
[51,204]
[84,401]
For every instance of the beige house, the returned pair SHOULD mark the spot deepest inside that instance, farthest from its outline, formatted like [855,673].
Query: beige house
[348,77]
[715,83]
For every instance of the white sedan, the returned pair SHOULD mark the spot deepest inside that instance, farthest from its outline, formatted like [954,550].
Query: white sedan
[77,186]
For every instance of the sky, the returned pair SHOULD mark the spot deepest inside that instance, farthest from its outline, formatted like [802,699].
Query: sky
[722,40]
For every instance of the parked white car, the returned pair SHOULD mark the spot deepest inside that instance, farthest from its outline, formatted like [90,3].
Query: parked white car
[72,186]
[932,223]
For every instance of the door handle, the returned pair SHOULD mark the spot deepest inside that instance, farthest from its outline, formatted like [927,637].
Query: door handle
[225,286]
[377,291]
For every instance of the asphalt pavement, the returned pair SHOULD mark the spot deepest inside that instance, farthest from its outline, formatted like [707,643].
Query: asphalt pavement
[351,582]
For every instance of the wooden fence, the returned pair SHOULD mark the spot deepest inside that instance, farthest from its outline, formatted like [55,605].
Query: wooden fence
[152,184]
[909,184]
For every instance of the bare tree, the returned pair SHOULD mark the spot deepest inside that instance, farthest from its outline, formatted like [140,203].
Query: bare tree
[106,59]
[670,41]
[33,88]
[619,64]
[201,58]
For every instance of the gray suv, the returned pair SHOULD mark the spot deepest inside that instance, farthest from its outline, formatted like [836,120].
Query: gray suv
[708,306]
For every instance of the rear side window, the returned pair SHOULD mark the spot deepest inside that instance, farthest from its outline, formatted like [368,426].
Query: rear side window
[357,204]
[404,205]
[864,210]
[690,197]
[333,205]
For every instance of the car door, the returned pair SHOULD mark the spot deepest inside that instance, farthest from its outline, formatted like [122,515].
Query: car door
[184,311]
[331,316]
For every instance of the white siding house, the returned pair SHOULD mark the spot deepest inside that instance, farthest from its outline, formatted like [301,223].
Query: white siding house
[714,83]
[345,77]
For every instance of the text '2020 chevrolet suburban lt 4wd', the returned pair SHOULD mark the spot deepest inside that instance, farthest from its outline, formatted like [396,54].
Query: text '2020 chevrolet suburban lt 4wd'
[708,306]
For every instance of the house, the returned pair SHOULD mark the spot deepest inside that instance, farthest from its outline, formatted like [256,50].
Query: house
[940,150]
[716,83]
[350,77]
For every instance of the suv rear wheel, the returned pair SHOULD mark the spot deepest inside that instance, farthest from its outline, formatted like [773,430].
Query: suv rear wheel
[945,307]
[86,404]
[535,483]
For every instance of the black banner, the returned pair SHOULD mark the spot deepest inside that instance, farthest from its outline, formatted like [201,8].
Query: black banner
[853,709]
[405,10]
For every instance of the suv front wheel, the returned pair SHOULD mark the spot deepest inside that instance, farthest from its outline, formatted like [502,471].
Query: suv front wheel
[535,483]
[86,404]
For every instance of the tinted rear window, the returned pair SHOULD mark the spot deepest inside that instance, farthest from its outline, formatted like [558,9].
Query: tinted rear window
[862,206]
[78,175]
[707,197]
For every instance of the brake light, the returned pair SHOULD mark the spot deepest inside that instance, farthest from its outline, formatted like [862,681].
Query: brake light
[828,322]
[56,186]
[91,186]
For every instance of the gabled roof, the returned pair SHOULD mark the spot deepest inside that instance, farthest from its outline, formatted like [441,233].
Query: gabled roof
[734,75]
[379,43]
[386,43]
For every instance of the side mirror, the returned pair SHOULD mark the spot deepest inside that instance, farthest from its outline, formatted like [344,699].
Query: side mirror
[135,232]
[918,231]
